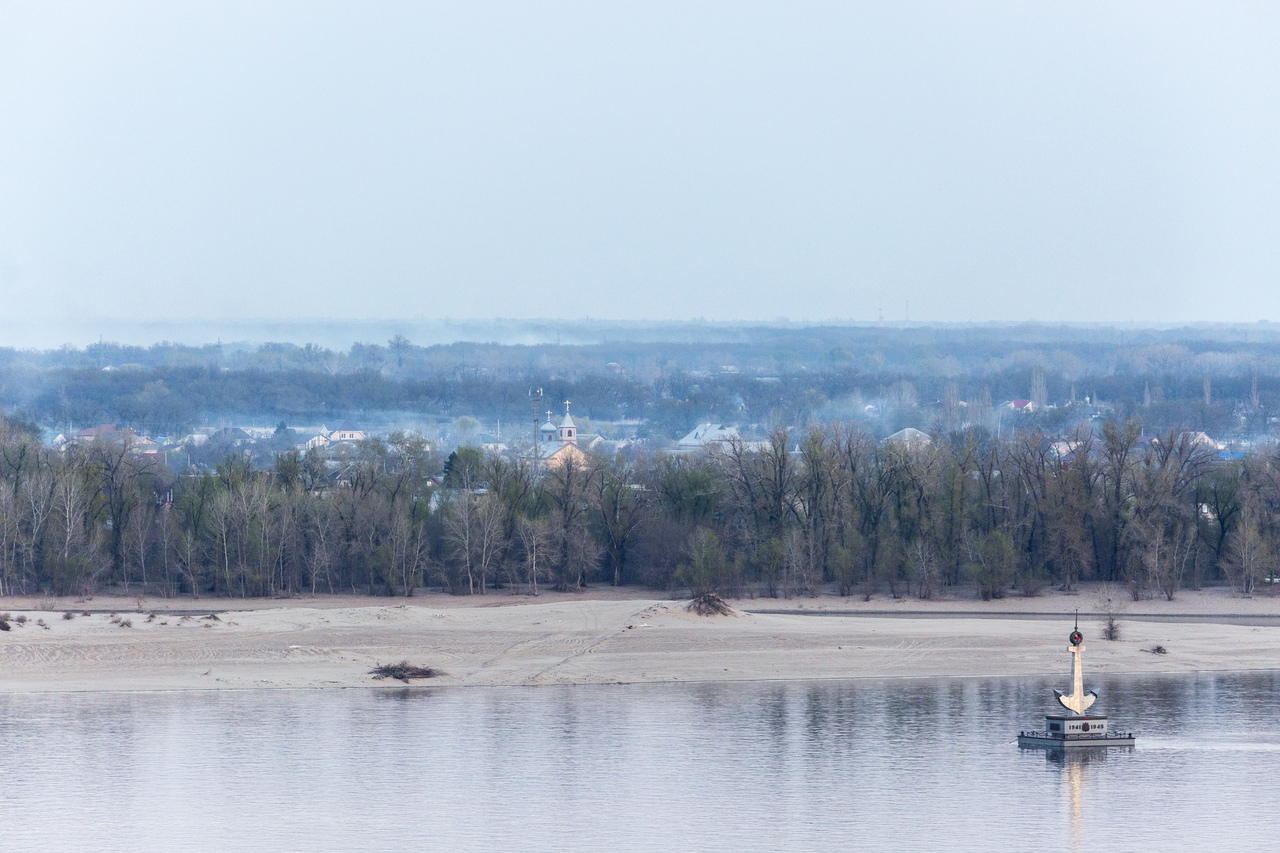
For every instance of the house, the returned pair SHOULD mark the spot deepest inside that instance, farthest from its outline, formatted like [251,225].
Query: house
[1196,441]
[143,446]
[86,436]
[909,439]
[320,440]
[1202,441]
[1063,450]
[230,437]
[705,436]
[602,446]
[347,432]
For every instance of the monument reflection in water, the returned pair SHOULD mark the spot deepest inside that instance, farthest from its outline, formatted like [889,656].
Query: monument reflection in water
[1077,730]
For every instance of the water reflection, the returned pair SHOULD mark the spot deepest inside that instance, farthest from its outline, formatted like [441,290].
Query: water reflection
[908,765]
[1073,767]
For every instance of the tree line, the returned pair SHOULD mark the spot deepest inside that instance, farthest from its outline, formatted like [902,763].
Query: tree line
[1221,380]
[172,401]
[828,505]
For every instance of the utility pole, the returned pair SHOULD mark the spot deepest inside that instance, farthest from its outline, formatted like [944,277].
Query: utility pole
[535,397]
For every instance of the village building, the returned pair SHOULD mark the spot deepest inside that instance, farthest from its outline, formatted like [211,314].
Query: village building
[324,438]
[92,434]
[568,453]
[144,446]
[707,437]
[347,432]
[230,436]
[909,439]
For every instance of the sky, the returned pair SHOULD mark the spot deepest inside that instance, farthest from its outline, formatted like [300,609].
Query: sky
[922,161]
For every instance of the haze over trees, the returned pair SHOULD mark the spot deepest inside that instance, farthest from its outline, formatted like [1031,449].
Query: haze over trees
[1219,379]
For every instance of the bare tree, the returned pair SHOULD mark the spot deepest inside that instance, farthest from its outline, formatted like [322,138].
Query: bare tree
[320,533]
[474,526]
[399,345]
[119,470]
[490,541]
[620,508]
[9,537]
[533,538]
[1248,553]
[76,564]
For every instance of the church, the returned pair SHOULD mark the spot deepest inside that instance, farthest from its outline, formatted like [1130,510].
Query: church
[566,435]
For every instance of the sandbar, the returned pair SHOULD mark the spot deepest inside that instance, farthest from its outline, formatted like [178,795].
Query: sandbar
[607,636]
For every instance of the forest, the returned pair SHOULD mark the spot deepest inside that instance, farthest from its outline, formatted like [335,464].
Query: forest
[1222,380]
[828,507]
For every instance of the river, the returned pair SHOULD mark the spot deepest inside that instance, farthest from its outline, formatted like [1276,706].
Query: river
[867,765]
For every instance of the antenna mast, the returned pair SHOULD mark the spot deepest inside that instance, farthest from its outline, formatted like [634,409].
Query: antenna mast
[535,397]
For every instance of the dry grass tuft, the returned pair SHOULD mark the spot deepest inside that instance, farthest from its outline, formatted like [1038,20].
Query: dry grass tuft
[403,671]
[68,615]
[710,605]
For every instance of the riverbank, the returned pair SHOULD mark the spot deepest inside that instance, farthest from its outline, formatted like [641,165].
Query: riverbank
[605,636]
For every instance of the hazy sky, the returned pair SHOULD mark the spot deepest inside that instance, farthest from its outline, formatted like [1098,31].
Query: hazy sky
[983,161]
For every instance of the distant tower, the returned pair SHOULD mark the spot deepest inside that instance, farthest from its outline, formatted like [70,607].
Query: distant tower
[535,397]
[548,430]
[568,429]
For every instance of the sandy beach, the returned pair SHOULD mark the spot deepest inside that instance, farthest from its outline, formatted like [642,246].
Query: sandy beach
[605,636]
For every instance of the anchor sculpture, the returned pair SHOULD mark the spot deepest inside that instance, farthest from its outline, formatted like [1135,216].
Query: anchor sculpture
[1076,729]
[1079,701]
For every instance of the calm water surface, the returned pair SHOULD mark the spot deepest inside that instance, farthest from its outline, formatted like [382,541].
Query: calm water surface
[906,765]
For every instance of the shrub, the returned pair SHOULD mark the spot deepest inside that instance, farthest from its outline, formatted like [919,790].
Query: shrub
[403,671]
[709,605]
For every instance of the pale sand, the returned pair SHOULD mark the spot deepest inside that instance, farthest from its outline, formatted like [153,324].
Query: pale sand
[606,636]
